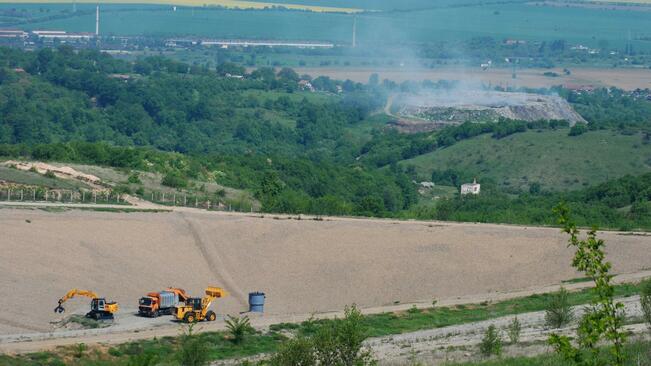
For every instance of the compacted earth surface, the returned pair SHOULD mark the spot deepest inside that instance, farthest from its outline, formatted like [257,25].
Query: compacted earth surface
[304,265]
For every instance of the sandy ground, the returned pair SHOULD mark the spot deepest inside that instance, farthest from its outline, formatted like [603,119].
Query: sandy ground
[304,266]
[627,79]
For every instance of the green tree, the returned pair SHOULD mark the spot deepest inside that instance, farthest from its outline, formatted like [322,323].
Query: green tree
[491,343]
[645,301]
[513,330]
[604,317]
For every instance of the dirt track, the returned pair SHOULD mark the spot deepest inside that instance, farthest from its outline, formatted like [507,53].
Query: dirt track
[304,266]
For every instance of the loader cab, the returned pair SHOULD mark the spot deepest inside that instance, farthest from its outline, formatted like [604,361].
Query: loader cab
[194,302]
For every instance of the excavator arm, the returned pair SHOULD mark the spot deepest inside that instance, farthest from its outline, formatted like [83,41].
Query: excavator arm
[72,293]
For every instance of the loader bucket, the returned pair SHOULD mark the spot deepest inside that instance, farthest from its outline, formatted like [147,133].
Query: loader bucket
[216,292]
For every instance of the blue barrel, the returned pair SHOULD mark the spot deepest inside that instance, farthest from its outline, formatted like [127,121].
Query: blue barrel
[256,302]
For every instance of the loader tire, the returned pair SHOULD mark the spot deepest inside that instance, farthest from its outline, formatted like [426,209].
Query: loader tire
[211,316]
[189,318]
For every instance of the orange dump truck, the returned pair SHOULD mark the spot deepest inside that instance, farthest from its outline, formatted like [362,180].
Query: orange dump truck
[161,303]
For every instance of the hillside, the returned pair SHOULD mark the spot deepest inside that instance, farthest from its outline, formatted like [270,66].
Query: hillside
[551,158]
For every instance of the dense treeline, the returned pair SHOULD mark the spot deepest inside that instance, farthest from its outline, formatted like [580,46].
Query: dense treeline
[624,203]
[282,184]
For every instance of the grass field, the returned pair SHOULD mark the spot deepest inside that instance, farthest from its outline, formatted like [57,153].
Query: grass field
[551,158]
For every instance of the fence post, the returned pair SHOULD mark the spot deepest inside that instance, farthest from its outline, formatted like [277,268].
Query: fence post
[34,194]
[21,194]
[185,200]
[45,194]
[8,194]
[152,196]
[174,199]
[196,202]
[95,196]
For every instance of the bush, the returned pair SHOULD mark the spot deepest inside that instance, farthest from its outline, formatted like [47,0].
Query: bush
[134,179]
[559,311]
[514,329]
[339,342]
[645,301]
[491,344]
[193,351]
[174,179]
[50,174]
[296,352]
[238,328]
[578,129]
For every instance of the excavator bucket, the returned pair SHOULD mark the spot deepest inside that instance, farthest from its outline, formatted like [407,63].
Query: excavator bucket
[59,309]
[216,292]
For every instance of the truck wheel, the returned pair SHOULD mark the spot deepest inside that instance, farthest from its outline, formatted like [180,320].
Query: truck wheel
[211,316]
[189,318]
[154,314]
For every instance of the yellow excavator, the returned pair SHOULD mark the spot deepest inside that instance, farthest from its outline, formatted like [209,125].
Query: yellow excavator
[196,308]
[99,307]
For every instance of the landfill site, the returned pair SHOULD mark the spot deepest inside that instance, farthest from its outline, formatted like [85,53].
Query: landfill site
[303,265]
[428,111]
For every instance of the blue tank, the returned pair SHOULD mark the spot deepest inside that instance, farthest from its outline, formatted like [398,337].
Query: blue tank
[256,302]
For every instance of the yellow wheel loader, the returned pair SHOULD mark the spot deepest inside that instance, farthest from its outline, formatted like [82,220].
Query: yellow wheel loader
[196,309]
[99,307]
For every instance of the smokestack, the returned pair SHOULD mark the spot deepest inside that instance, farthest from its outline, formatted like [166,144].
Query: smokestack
[354,31]
[97,21]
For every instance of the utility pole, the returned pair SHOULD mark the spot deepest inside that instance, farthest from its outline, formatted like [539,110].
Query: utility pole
[97,21]
[354,31]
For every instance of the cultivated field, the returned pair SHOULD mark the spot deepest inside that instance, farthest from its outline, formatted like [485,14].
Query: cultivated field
[627,79]
[232,4]
[304,265]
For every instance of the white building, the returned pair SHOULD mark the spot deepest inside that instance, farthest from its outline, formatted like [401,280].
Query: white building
[470,188]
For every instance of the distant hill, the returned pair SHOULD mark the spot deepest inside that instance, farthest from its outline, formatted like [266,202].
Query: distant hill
[551,158]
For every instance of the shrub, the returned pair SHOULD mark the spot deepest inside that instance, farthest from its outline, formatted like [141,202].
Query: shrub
[174,179]
[50,174]
[193,351]
[578,129]
[514,329]
[558,312]
[134,178]
[491,343]
[296,352]
[238,328]
[80,348]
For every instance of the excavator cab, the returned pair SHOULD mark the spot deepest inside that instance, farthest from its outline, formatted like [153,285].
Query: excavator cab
[99,307]
[102,309]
